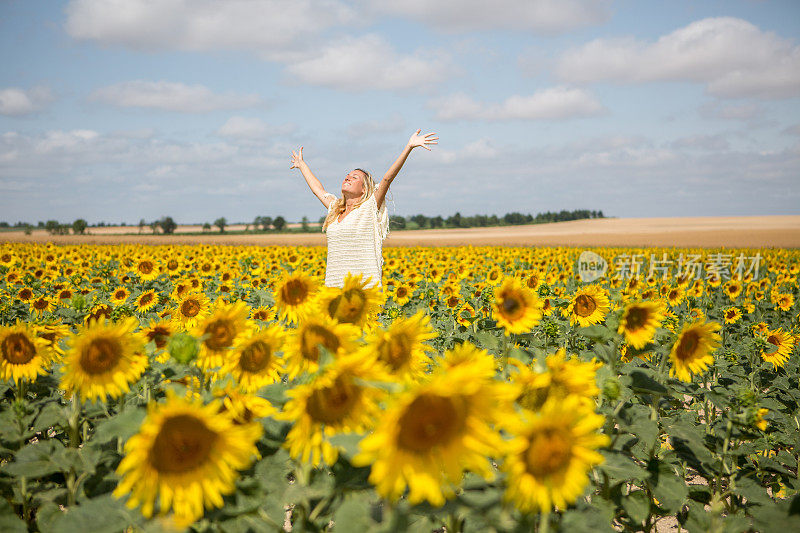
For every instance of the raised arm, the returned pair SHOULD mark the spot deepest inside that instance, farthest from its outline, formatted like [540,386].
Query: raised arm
[311,179]
[415,140]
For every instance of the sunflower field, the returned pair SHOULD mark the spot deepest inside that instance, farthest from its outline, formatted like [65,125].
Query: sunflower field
[225,389]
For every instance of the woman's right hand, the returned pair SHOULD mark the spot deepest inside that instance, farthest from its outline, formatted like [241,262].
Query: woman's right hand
[297,158]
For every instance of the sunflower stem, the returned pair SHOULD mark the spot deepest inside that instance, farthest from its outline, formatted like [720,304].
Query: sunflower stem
[544,522]
[74,415]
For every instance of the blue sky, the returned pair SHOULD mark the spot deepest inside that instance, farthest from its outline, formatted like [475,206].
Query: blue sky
[119,110]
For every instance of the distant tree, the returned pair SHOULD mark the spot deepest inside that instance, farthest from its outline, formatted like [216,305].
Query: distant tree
[437,222]
[420,220]
[154,226]
[79,226]
[221,223]
[266,223]
[305,223]
[142,225]
[4,225]
[454,221]
[40,224]
[28,229]
[257,223]
[397,221]
[322,220]
[206,227]
[168,225]
[279,223]
[51,226]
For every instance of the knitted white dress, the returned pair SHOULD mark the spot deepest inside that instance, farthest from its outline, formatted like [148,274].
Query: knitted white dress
[355,244]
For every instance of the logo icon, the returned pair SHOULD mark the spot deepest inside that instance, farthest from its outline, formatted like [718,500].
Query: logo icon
[591,266]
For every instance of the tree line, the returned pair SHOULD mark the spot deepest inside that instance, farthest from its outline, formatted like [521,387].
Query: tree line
[167,225]
[459,221]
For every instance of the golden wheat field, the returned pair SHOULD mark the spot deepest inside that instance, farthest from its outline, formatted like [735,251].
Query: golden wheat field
[480,388]
[778,231]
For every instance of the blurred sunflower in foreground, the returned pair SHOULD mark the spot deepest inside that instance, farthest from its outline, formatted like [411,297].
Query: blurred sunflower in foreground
[185,455]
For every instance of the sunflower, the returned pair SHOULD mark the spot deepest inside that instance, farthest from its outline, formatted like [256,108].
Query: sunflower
[553,451]
[159,332]
[516,308]
[41,305]
[120,295]
[466,354]
[191,309]
[294,296]
[562,378]
[465,315]
[263,314]
[338,400]
[186,455]
[781,345]
[691,353]
[675,295]
[589,306]
[401,346]
[25,294]
[784,301]
[53,333]
[639,322]
[23,354]
[104,359]
[353,303]
[402,294]
[433,432]
[146,269]
[219,331]
[731,315]
[243,408]
[146,301]
[302,348]
[97,312]
[253,361]
[732,288]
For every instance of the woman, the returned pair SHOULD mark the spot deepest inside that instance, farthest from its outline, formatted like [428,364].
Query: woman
[357,222]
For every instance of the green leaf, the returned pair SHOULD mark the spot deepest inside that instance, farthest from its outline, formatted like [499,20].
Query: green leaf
[36,460]
[353,514]
[124,425]
[667,487]
[51,415]
[642,381]
[100,515]
[637,505]
[9,521]
[596,332]
[619,467]
[347,443]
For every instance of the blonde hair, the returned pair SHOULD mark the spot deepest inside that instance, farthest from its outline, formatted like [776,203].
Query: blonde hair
[339,205]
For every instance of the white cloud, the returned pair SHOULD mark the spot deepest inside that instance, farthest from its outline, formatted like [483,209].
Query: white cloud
[745,111]
[545,16]
[369,62]
[16,102]
[270,28]
[251,128]
[391,124]
[171,96]
[555,103]
[731,56]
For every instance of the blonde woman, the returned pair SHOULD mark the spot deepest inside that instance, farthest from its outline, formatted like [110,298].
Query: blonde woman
[357,222]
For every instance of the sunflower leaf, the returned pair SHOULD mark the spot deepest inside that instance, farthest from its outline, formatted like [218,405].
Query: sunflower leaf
[123,425]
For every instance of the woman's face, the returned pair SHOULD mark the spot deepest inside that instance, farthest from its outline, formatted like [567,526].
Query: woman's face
[353,184]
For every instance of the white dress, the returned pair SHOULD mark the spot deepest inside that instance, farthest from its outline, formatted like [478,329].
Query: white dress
[355,244]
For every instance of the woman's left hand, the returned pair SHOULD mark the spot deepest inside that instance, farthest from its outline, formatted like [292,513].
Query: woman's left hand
[422,140]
